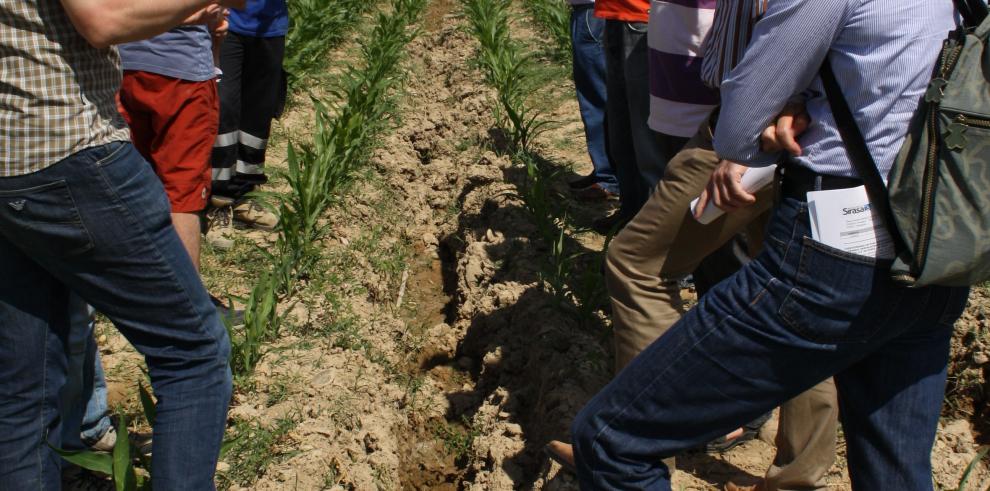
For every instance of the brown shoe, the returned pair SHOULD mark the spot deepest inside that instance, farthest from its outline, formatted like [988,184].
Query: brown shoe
[595,192]
[249,213]
[562,453]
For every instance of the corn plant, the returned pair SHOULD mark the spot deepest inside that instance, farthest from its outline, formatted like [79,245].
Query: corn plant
[555,17]
[510,71]
[316,26]
[318,172]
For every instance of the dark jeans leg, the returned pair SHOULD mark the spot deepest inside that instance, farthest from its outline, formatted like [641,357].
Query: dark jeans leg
[639,155]
[799,313]
[34,352]
[587,35]
[621,152]
[99,223]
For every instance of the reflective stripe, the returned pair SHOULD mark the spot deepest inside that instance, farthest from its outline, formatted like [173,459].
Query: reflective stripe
[222,174]
[253,141]
[246,168]
[226,139]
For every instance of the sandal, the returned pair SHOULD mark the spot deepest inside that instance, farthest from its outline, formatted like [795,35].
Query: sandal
[751,430]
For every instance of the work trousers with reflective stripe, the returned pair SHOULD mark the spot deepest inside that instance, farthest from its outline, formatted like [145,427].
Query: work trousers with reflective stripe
[252,89]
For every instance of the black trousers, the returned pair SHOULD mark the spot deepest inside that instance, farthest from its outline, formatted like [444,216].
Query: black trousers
[252,93]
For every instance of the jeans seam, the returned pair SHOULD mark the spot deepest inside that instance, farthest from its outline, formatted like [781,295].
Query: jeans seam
[79,221]
[119,204]
[749,306]
[41,407]
[790,238]
[587,23]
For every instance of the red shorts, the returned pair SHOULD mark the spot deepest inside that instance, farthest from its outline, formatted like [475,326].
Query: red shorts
[173,124]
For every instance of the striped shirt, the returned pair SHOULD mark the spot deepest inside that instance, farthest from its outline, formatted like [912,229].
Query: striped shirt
[882,51]
[734,20]
[57,95]
[679,102]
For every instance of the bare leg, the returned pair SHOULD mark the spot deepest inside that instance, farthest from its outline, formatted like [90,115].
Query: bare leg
[187,226]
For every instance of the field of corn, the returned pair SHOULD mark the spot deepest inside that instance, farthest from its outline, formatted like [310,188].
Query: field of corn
[429,311]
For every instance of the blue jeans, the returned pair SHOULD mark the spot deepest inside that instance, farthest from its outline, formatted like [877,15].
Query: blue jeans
[98,224]
[85,414]
[797,314]
[587,34]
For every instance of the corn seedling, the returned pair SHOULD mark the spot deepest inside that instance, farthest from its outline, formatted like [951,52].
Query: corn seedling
[509,70]
[318,173]
[964,480]
[555,18]
[316,27]
[119,464]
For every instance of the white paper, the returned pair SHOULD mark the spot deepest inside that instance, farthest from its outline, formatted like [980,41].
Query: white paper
[843,219]
[753,180]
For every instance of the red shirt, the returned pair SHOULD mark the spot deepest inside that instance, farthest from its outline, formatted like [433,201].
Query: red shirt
[624,10]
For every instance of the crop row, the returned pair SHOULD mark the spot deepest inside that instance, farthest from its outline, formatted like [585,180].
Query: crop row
[512,71]
[317,173]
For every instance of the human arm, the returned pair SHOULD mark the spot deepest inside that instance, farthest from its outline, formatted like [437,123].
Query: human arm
[107,22]
[788,47]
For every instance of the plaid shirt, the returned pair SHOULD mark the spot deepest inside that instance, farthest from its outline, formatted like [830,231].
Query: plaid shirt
[57,93]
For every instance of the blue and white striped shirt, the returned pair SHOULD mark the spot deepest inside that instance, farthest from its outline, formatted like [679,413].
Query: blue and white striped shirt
[882,51]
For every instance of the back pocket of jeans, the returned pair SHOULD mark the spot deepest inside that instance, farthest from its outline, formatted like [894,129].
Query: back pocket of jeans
[837,297]
[44,220]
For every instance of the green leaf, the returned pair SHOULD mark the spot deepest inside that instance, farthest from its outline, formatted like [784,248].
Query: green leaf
[971,467]
[93,461]
[147,403]
[123,470]
[227,445]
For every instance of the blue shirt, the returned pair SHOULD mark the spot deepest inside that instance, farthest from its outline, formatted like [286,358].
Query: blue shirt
[261,18]
[185,52]
[882,52]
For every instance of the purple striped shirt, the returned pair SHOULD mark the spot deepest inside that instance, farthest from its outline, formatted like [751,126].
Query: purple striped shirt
[679,101]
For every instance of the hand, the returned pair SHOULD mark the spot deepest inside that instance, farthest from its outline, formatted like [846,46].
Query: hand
[218,26]
[791,123]
[725,189]
[205,15]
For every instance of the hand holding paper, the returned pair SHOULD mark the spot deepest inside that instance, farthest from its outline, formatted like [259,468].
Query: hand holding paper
[752,181]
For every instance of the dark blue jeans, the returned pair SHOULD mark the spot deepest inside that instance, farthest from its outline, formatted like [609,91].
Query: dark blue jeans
[638,154]
[98,224]
[587,35]
[798,314]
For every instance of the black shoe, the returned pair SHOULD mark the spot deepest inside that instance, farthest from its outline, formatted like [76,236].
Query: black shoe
[609,224]
[595,192]
[231,316]
[751,430]
[583,182]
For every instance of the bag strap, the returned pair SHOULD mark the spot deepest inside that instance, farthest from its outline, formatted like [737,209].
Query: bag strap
[973,12]
[859,153]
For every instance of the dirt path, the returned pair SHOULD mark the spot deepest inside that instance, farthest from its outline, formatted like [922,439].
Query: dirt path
[424,353]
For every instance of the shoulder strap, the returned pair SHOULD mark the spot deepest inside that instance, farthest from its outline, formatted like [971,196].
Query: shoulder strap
[973,12]
[859,153]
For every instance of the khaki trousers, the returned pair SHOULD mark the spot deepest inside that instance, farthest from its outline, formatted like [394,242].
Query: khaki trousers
[662,244]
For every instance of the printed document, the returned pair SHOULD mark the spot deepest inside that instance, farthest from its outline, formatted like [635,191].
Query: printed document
[843,219]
